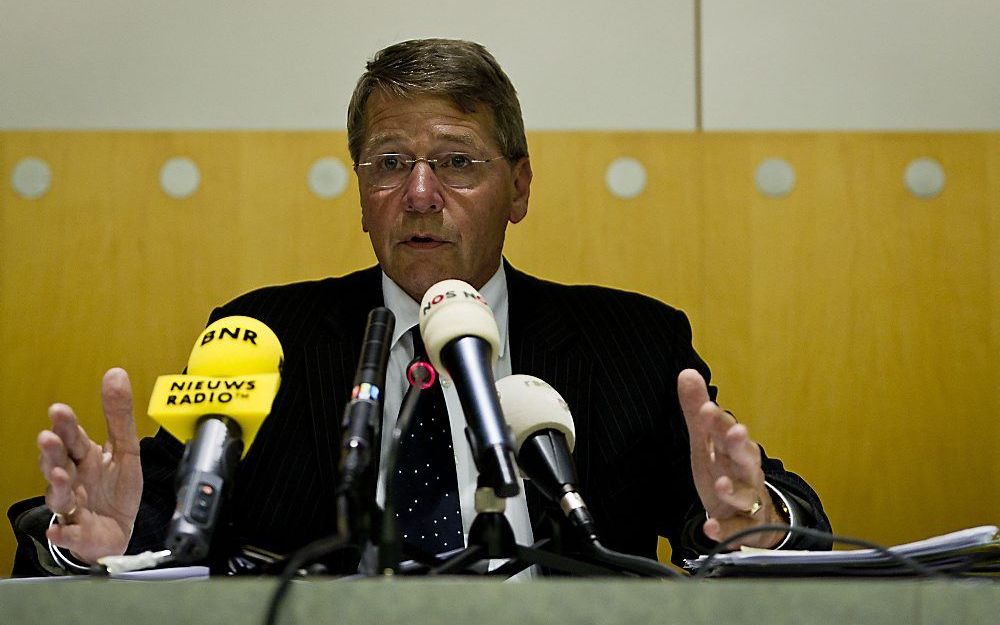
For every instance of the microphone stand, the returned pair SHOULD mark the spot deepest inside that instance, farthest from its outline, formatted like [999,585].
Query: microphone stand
[491,537]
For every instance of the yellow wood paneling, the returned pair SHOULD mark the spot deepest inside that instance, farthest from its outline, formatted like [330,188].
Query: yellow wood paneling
[577,231]
[862,318]
[107,270]
[853,327]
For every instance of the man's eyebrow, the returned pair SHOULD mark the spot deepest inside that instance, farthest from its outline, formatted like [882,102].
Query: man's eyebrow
[385,137]
[461,138]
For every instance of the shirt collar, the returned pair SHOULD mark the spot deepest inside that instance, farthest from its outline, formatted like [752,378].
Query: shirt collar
[407,311]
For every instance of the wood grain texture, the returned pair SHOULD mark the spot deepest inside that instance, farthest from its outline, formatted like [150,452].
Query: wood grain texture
[853,327]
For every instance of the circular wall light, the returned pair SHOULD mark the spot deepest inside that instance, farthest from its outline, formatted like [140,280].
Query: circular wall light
[179,177]
[924,177]
[31,178]
[327,178]
[625,177]
[775,177]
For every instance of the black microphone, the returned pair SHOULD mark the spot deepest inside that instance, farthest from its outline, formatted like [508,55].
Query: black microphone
[363,413]
[232,378]
[545,436]
[205,470]
[463,342]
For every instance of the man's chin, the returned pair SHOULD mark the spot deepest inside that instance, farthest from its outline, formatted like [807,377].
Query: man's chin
[417,280]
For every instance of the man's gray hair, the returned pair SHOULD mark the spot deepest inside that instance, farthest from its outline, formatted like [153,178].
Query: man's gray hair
[462,71]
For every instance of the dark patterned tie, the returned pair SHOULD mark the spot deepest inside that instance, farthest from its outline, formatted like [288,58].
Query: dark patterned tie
[429,510]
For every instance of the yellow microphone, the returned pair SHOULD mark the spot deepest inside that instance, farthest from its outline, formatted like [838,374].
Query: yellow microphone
[233,376]
[234,370]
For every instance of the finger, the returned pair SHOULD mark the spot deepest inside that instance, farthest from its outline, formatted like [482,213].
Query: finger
[744,452]
[713,529]
[714,422]
[52,453]
[740,497]
[692,393]
[72,537]
[66,427]
[59,496]
[59,472]
[116,396]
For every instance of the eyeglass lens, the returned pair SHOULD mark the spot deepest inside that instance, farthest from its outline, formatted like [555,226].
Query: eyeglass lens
[452,169]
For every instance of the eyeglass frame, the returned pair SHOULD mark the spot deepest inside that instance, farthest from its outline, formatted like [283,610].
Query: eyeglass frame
[431,162]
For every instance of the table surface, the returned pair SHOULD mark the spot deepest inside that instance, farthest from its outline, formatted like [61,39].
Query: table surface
[419,601]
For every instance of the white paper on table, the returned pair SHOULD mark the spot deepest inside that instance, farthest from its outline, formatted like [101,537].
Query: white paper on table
[962,539]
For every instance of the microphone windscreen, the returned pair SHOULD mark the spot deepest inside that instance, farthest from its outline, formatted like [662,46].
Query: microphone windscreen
[530,405]
[236,345]
[452,309]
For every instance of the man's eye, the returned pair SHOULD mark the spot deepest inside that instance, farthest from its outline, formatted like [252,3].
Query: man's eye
[390,162]
[457,161]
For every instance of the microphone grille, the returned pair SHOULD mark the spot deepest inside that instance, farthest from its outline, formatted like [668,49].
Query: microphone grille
[450,310]
[530,404]
[236,345]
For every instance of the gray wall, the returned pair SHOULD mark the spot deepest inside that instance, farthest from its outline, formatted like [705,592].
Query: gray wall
[778,64]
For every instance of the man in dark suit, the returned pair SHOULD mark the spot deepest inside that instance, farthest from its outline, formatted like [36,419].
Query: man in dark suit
[435,131]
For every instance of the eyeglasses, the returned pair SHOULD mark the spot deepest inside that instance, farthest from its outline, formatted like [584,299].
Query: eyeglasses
[454,169]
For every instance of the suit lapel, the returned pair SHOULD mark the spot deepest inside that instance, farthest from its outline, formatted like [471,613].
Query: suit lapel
[544,344]
[329,364]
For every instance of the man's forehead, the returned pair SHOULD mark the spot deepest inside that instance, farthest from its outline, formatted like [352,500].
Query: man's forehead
[425,117]
[435,134]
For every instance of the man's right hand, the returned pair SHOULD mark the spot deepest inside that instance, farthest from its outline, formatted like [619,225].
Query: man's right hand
[95,490]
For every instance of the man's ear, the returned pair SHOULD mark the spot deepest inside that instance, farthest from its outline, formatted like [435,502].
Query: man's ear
[522,189]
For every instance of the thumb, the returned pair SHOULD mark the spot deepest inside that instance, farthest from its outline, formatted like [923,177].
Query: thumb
[116,397]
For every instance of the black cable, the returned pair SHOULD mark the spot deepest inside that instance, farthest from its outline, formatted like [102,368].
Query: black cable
[632,564]
[899,558]
[310,553]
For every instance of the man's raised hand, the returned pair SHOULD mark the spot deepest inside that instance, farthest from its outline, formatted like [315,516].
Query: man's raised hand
[95,491]
[726,465]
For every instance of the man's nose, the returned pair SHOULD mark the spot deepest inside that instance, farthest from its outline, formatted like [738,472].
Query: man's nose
[423,189]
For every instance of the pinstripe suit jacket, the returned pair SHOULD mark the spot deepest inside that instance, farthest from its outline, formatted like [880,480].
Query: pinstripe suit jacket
[614,356]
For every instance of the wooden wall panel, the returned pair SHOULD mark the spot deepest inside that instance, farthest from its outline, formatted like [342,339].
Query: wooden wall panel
[577,231]
[861,323]
[853,327]
[107,270]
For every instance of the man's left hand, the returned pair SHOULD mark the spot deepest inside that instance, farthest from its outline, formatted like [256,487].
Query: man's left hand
[726,465]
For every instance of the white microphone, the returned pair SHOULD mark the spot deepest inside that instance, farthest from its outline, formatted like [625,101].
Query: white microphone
[463,343]
[543,430]
[543,426]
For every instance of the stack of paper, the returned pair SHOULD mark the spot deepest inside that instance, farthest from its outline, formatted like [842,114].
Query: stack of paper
[974,551]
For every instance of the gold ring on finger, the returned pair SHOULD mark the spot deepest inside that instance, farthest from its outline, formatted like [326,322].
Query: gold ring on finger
[65,518]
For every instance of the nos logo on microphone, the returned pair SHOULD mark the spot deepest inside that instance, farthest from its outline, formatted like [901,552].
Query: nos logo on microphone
[452,295]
